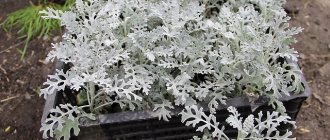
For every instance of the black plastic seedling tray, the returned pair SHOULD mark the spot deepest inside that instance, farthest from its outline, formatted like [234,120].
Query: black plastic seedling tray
[142,125]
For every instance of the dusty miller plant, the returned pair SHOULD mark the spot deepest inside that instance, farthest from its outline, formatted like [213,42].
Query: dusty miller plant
[163,54]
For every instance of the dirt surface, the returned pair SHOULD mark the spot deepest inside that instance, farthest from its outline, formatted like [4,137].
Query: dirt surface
[21,107]
[314,47]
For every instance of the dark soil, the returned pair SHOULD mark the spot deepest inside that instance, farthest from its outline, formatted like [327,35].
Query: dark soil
[21,107]
[314,47]
[20,81]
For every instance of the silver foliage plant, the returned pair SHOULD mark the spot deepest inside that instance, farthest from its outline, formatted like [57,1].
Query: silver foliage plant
[163,54]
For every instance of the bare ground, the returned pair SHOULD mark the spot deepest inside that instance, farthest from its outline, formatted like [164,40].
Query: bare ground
[314,48]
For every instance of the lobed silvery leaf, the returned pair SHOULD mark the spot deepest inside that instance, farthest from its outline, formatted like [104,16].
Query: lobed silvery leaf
[162,110]
[55,83]
[62,119]
[192,115]
[260,127]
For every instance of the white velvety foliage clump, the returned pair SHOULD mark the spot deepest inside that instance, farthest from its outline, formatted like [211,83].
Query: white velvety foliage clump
[162,54]
[252,128]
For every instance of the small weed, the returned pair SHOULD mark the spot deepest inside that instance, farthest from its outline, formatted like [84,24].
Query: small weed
[29,24]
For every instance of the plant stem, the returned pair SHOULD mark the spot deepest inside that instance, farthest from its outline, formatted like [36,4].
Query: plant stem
[91,94]
[81,107]
[106,104]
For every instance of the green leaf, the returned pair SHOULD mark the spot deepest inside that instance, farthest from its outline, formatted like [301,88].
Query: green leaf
[65,133]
